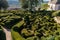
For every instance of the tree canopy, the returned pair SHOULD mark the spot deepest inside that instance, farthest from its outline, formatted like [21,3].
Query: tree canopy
[30,4]
[3,4]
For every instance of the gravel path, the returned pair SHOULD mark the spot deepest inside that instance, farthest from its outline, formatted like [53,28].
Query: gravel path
[8,34]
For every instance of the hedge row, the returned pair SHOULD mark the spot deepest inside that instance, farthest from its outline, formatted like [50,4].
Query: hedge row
[15,34]
[42,22]
[2,35]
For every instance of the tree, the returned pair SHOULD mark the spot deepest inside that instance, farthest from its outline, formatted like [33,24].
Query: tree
[30,4]
[33,4]
[3,4]
[24,3]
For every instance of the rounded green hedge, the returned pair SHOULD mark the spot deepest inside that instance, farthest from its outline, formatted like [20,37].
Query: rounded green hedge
[2,35]
[15,34]
[41,23]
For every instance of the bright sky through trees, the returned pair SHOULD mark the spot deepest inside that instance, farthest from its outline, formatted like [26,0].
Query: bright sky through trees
[12,0]
[17,0]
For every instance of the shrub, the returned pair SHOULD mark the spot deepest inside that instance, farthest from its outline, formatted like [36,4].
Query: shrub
[33,25]
[15,34]
[57,13]
[2,35]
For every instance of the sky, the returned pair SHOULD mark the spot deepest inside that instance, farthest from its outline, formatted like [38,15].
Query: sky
[12,0]
[17,0]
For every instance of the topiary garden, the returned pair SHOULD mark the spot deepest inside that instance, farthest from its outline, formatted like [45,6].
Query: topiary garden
[28,25]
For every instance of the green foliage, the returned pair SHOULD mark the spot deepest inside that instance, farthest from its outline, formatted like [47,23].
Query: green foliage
[28,4]
[15,34]
[57,13]
[3,4]
[2,34]
[37,25]
[31,26]
[44,6]
[9,19]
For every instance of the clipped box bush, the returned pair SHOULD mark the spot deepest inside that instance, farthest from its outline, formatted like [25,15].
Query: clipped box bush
[15,34]
[2,35]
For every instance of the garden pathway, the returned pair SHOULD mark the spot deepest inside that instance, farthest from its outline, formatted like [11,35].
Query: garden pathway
[8,33]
